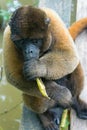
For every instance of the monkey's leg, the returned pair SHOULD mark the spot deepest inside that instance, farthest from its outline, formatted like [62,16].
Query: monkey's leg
[76,84]
[38,104]
[51,118]
[80,108]
[49,114]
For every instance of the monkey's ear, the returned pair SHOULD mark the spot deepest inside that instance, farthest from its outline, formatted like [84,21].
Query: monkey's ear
[47,21]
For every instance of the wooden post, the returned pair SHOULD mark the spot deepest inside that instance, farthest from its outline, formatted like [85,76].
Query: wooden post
[73,11]
[81,42]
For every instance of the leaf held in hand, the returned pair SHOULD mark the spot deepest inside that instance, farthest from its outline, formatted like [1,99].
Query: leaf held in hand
[41,87]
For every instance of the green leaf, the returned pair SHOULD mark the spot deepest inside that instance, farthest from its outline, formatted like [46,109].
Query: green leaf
[65,120]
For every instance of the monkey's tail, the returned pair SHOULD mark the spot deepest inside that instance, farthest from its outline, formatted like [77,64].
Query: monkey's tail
[76,28]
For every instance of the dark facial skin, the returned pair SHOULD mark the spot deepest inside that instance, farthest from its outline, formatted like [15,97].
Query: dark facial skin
[30,48]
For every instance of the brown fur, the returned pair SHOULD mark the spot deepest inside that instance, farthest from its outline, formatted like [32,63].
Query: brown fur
[61,61]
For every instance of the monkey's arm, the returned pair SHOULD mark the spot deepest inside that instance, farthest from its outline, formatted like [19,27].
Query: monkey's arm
[52,65]
[63,58]
[13,65]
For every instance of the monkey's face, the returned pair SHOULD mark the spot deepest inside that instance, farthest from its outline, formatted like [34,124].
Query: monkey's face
[30,48]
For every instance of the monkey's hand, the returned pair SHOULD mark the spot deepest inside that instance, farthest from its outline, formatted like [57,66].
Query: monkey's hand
[59,93]
[33,69]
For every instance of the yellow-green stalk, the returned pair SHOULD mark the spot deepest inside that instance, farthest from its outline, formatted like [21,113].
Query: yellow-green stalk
[41,87]
[64,120]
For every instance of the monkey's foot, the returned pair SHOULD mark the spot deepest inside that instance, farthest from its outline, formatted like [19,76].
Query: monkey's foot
[51,118]
[82,114]
[80,108]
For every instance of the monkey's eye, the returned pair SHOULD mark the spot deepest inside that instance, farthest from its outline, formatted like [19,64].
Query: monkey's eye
[40,42]
[37,42]
[19,43]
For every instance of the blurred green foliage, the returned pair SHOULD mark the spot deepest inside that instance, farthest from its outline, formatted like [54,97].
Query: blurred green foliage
[5,14]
